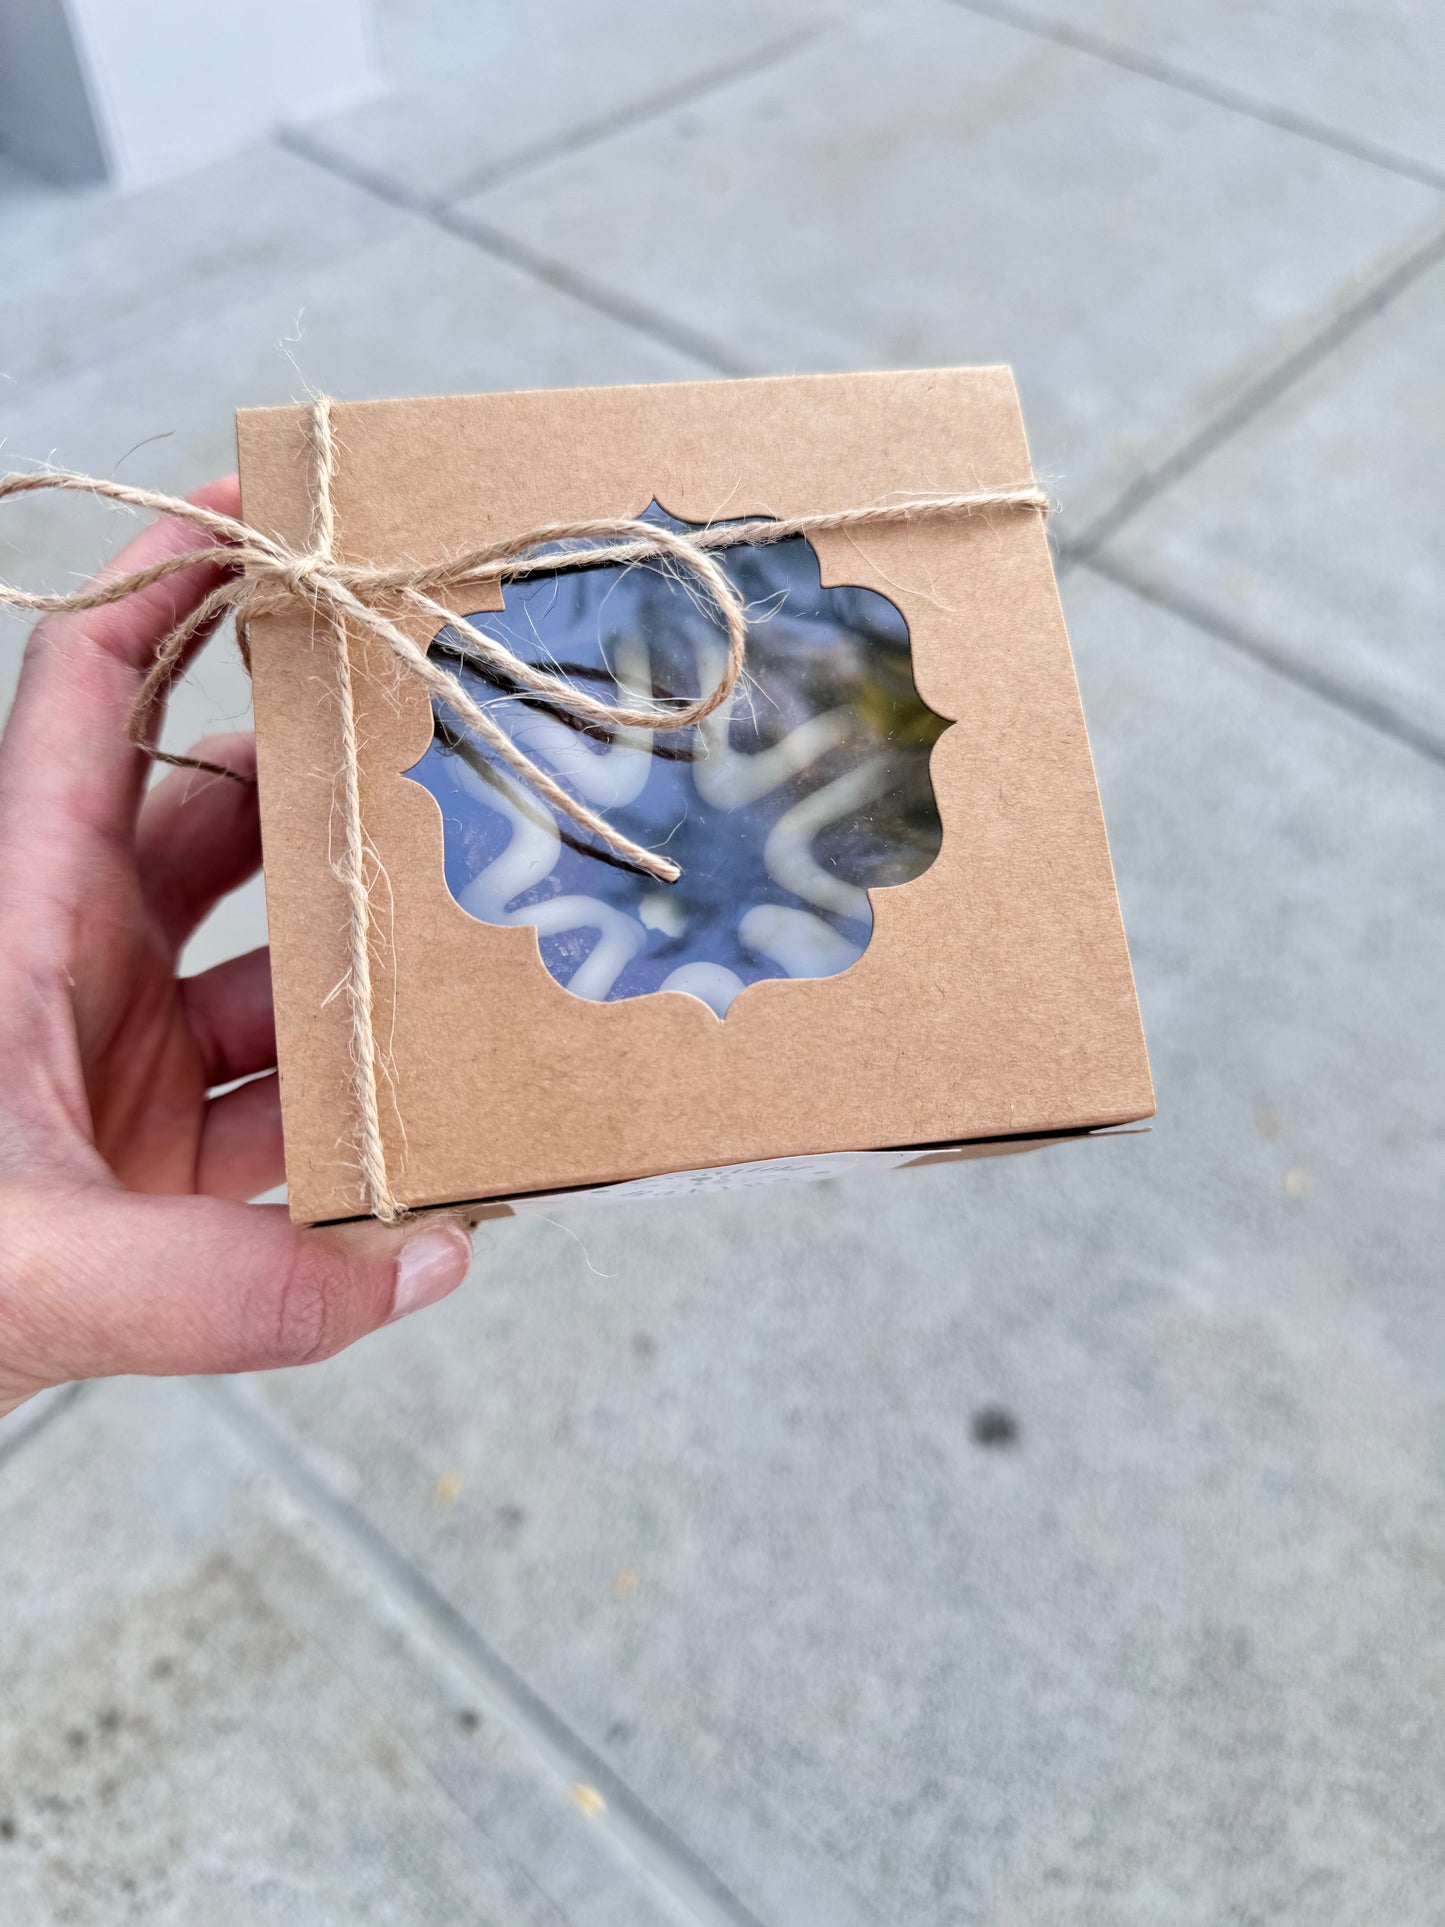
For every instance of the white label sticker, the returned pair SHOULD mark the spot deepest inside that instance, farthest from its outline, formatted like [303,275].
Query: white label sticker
[721,1177]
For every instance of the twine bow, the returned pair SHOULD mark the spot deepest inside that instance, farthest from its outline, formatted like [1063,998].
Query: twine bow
[265,575]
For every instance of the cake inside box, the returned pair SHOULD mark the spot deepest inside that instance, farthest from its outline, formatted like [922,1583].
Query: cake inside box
[808,787]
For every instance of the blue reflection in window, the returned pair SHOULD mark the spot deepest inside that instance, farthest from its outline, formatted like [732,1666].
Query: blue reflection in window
[809,787]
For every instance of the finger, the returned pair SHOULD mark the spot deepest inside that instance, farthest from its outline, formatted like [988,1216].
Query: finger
[198,836]
[102,1281]
[241,1152]
[231,1017]
[82,675]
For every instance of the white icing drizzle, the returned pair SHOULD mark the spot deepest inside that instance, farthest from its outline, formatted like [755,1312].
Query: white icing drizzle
[607,777]
[797,941]
[727,778]
[531,854]
[532,849]
[714,984]
[619,938]
[787,857]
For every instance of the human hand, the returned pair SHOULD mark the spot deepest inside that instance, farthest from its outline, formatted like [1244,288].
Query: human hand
[124,1244]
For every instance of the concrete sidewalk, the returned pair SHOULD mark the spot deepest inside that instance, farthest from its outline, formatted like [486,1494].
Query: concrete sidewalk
[673,1571]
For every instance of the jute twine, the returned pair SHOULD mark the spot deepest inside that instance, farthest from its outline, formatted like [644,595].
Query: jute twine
[266,575]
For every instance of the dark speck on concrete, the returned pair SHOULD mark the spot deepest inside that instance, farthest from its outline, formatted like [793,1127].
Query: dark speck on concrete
[108,1719]
[468,1719]
[644,1345]
[163,1667]
[77,1739]
[8,1828]
[992,1425]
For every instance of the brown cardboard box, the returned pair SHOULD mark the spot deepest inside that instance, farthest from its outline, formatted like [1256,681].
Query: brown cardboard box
[993,1007]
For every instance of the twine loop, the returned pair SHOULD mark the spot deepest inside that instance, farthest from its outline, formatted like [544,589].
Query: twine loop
[265,576]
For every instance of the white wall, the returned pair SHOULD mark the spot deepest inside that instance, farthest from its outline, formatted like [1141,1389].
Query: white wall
[168,85]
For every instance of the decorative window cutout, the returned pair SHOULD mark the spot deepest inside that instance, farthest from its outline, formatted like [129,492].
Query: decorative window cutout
[807,788]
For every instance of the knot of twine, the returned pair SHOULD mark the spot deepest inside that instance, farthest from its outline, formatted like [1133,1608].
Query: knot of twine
[265,575]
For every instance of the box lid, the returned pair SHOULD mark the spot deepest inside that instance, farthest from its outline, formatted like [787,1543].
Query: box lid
[995,997]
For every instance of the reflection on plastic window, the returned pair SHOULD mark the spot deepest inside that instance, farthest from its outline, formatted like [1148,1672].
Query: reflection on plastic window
[808,788]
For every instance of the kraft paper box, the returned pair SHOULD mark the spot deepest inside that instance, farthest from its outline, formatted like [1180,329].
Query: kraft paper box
[896,932]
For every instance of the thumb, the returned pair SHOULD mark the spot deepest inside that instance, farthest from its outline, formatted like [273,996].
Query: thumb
[107,1281]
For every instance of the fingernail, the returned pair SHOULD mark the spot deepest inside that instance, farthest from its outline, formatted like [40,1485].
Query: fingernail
[431,1264]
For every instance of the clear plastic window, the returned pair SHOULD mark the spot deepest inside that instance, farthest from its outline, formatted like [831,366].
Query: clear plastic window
[809,787]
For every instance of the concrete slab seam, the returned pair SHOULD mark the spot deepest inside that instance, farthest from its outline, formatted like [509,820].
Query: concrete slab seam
[1301,361]
[518,254]
[644,1843]
[1168,74]
[1380,717]
[623,119]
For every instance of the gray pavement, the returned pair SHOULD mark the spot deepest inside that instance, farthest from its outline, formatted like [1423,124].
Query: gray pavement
[662,1574]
